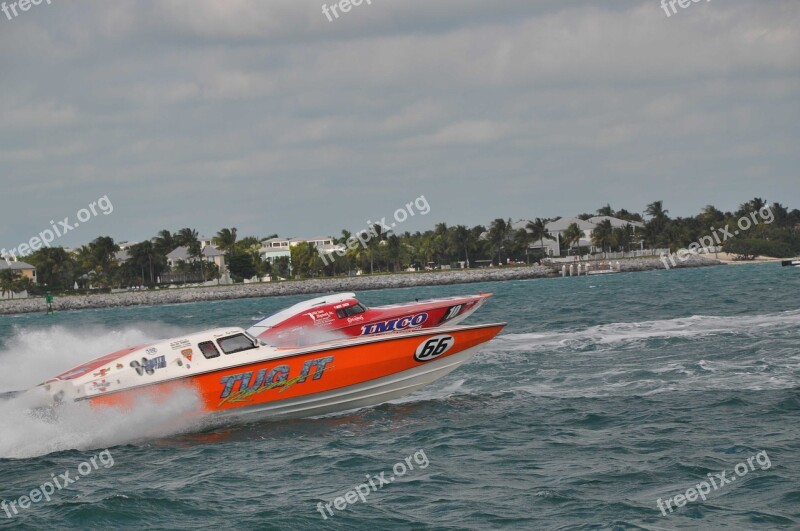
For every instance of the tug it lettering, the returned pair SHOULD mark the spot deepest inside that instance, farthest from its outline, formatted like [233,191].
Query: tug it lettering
[266,379]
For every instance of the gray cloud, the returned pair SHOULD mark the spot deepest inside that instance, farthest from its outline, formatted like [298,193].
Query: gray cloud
[265,116]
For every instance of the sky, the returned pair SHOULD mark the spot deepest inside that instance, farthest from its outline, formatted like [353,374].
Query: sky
[269,117]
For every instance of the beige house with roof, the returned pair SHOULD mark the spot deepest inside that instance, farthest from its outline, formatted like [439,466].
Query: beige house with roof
[24,269]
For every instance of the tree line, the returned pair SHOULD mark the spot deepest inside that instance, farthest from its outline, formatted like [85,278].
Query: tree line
[96,263]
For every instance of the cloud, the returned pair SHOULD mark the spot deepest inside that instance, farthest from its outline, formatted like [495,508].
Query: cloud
[267,117]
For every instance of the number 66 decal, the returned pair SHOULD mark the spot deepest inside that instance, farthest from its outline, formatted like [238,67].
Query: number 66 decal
[434,347]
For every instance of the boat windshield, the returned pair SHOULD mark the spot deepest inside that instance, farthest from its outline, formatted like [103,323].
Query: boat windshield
[208,349]
[234,344]
[350,311]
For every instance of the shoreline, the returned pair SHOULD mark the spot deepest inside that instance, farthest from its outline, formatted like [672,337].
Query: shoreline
[319,286]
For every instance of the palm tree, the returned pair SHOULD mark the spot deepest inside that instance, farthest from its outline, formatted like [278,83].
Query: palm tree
[306,260]
[142,254]
[461,238]
[195,254]
[185,237]
[573,234]
[655,227]
[377,236]
[656,210]
[97,258]
[226,240]
[710,216]
[55,267]
[499,233]
[165,242]
[441,243]
[754,205]
[622,237]
[606,211]
[520,241]
[188,238]
[394,251]
[8,281]
[538,229]
[601,235]
[23,284]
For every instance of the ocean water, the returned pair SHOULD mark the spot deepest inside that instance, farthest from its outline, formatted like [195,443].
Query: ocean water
[602,396]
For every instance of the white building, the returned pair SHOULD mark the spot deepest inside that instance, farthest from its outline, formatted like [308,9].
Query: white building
[277,247]
[558,227]
[209,253]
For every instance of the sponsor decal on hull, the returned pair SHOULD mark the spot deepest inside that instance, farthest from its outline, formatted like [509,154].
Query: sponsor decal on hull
[266,379]
[394,324]
[149,366]
[453,311]
[100,386]
[181,343]
[433,347]
[321,317]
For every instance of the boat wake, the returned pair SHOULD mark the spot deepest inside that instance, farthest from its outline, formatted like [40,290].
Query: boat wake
[688,354]
[623,335]
[31,356]
[29,431]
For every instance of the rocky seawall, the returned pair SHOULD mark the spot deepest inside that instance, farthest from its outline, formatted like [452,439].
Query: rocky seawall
[315,286]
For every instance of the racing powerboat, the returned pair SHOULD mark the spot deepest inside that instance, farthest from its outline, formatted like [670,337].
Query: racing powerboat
[234,373]
[790,263]
[342,315]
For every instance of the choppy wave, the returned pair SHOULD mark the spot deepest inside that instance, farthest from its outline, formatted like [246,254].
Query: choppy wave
[632,333]
[593,405]
[697,353]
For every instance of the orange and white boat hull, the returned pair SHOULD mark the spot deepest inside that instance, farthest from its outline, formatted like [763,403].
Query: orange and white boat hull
[269,382]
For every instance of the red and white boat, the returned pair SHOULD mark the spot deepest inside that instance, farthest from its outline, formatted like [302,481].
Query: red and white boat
[342,315]
[234,373]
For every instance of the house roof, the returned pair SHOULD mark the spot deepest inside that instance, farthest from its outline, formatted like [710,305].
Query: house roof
[520,224]
[211,251]
[182,253]
[616,222]
[15,265]
[563,223]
